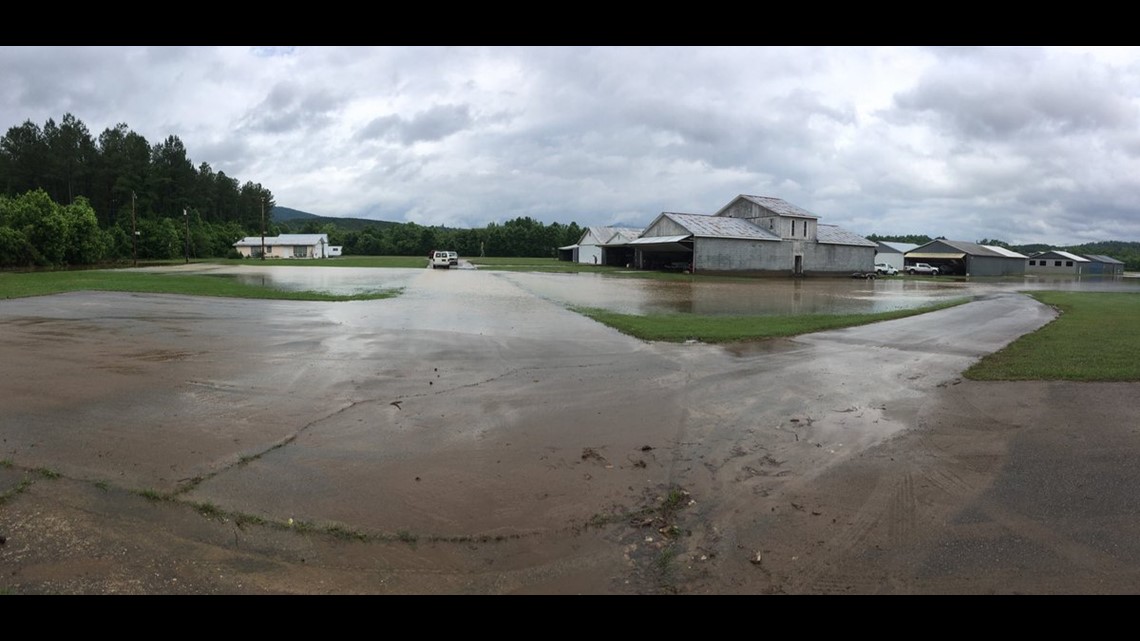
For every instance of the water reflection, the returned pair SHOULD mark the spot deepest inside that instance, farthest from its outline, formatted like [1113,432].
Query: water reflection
[762,296]
[340,281]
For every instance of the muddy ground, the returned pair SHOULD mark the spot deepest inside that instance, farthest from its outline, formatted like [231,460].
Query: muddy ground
[470,437]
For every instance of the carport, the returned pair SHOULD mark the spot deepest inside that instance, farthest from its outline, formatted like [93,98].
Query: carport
[946,262]
[970,259]
[663,252]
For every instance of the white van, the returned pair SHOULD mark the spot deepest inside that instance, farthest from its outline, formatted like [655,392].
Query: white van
[440,259]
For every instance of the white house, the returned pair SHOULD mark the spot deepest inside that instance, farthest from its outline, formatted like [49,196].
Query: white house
[287,246]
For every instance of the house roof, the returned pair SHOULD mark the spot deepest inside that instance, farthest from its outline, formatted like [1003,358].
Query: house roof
[704,226]
[777,206]
[834,235]
[1101,258]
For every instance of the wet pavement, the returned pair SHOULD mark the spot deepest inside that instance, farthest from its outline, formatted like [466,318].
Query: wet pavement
[474,414]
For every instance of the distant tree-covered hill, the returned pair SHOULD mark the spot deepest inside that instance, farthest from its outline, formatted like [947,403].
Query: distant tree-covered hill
[296,219]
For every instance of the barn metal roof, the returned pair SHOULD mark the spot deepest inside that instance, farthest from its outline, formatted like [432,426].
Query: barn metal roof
[1063,254]
[834,235]
[1008,253]
[1101,258]
[659,240]
[962,246]
[703,226]
[624,235]
[777,206]
[901,248]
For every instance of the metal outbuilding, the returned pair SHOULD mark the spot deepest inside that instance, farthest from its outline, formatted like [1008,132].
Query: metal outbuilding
[1104,265]
[892,253]
[589,248]
[969,259]
[1056,261]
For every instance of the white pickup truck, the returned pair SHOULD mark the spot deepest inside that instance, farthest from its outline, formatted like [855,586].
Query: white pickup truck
[921,268]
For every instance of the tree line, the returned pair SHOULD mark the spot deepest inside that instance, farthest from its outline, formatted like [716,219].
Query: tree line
[70,198]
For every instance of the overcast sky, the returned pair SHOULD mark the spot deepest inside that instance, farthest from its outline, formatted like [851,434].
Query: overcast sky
[1020,144]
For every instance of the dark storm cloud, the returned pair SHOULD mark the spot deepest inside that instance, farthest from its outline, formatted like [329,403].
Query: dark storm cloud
[289,107]
[430,125]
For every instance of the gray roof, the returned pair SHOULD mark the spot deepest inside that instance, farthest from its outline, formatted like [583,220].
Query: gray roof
[623,235]
[704,226]
[973,249]
[833,235]
[1053,253]
[1008,253]
[606,234]
[777,206]
[1101,258]
[901,248]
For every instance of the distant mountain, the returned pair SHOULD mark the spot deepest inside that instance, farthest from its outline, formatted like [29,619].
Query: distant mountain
[296,219]
[281,214]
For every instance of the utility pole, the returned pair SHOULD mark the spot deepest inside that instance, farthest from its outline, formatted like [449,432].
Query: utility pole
[263,229]
[134,233]
[186,219]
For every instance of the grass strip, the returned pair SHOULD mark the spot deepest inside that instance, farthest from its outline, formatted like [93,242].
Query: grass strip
[1095,338]
[677,328]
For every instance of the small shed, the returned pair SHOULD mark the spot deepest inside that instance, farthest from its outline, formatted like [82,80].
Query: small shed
[1104,265]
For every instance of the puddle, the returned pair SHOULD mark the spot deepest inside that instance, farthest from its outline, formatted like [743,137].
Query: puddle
[759,297]
[341,281]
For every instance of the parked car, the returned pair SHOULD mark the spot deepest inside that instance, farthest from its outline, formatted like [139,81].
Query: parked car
[441,259]
[922,268]
[886,269]
[867,275]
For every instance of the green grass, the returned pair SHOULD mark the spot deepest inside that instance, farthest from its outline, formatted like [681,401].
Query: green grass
[19,285]
[678,328]
[1095,338]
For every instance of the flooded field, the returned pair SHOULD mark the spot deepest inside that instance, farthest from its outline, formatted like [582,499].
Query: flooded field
[760,296]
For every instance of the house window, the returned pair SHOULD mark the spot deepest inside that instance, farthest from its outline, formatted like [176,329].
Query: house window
[1032,263]
[1068,263]
[1056,263]
[300,251]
